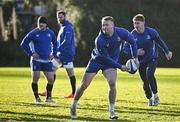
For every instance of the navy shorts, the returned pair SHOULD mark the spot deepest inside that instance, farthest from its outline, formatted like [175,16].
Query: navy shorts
[65,58]
[94,66]
[38,66]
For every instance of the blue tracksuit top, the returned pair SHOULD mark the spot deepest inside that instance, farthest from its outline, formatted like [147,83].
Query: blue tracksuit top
[42,42]
[66,41]
[107,49]
[149,41]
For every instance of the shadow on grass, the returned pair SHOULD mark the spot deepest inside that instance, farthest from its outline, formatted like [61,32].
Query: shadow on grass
[44,104]
[25,116]
[160,110]
[95,119]
[137,110]
[49,117]
[145,102]
[131,101]
[151,110]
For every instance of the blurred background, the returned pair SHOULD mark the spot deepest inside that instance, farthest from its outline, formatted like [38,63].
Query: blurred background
[18,17]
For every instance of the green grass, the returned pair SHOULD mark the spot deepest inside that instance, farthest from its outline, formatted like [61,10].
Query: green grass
[17,101]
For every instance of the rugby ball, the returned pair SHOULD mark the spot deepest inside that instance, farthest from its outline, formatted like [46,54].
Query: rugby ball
[131,65]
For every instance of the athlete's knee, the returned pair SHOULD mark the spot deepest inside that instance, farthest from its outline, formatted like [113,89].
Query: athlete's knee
[150,76]
[35,81]
[112,85]
[50,80]
[70,72]
[35,77]
[54,77]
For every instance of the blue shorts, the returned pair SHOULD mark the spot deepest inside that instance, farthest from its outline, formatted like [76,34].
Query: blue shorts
[38,66]
[93,66]
[65,59]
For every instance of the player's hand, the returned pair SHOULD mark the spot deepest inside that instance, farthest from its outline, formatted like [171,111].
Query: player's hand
[51,57]
[58,54]
[169,55]
[141,51]
[35,55]
[124,68]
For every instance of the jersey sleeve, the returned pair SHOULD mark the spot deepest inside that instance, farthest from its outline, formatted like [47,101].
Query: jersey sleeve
[25,44]
[155,35]
[129,39]
[103,56]
[68,33]
[54,43]
[126,48]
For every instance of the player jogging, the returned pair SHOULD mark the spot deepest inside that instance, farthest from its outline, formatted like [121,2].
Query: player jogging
[147,40]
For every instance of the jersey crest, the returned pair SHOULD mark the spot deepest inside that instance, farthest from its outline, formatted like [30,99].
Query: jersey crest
[49,35]
[37,35]
[148,37]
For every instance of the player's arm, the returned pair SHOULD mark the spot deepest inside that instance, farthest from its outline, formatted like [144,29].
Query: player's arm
[162,44]
[159,41]
[104,57]
[54,44]
[132,44]
[25,45]
[67,38]
[126,48]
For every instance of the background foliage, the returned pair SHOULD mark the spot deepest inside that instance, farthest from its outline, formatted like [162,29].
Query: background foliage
[86,15]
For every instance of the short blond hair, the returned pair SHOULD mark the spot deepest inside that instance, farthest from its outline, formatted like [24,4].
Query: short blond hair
[106,18]
[139,17]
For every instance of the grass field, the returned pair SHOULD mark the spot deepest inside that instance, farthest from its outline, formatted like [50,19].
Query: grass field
[17,101]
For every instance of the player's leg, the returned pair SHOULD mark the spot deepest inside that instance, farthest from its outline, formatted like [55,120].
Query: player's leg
[35,73]
[151,67]
[50,78]
[35,78]
[91,70]
[111,75]
[72,78]
[145,83]
[68,65]
[87,78]
[56,64]
[49,74]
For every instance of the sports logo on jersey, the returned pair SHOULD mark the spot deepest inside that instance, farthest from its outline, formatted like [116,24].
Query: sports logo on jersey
[37,35]
[107,45]
[148,37]
[49,35]
[68,32]
[118,39]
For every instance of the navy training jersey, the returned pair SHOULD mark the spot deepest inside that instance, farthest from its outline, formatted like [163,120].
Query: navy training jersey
[149,41]
[65,38]
[107,49]
[42,42]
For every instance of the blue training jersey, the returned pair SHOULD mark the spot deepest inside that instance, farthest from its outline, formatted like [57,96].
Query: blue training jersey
[107,49]
[42,42]
[149,41]
[66,41]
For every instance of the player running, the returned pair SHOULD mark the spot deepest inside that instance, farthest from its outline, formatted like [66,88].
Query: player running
[147,40]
